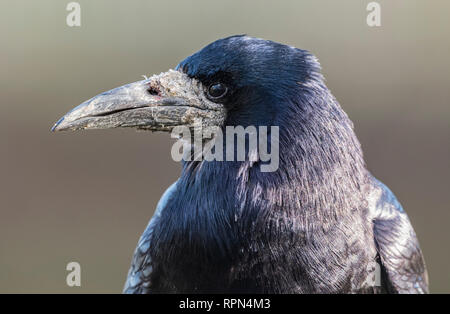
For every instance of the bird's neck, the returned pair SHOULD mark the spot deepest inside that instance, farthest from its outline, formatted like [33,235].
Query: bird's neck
[320,179]
[322,169]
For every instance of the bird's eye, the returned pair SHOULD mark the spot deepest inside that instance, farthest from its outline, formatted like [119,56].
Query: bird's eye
[217,90]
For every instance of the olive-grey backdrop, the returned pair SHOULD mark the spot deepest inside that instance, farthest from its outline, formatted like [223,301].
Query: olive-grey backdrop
[87,196]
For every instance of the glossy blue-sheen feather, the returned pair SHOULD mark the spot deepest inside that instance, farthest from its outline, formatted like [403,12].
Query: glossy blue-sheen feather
[316,225]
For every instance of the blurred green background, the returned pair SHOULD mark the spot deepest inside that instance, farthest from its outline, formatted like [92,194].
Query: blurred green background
[88,196]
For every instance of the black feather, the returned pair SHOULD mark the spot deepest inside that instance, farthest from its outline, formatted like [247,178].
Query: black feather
[305,228]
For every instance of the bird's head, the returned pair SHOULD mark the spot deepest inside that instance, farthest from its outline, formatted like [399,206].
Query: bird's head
[238,80]
[245,81]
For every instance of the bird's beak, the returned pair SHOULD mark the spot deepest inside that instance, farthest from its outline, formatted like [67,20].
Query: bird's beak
[159,103]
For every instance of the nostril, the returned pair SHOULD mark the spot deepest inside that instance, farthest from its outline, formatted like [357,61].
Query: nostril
[153,91]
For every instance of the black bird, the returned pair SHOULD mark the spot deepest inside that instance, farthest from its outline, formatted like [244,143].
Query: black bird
[321,223]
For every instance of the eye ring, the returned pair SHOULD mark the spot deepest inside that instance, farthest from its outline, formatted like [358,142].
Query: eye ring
[217,90]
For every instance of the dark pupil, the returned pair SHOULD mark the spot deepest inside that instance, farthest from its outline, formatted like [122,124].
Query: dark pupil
[217,90]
